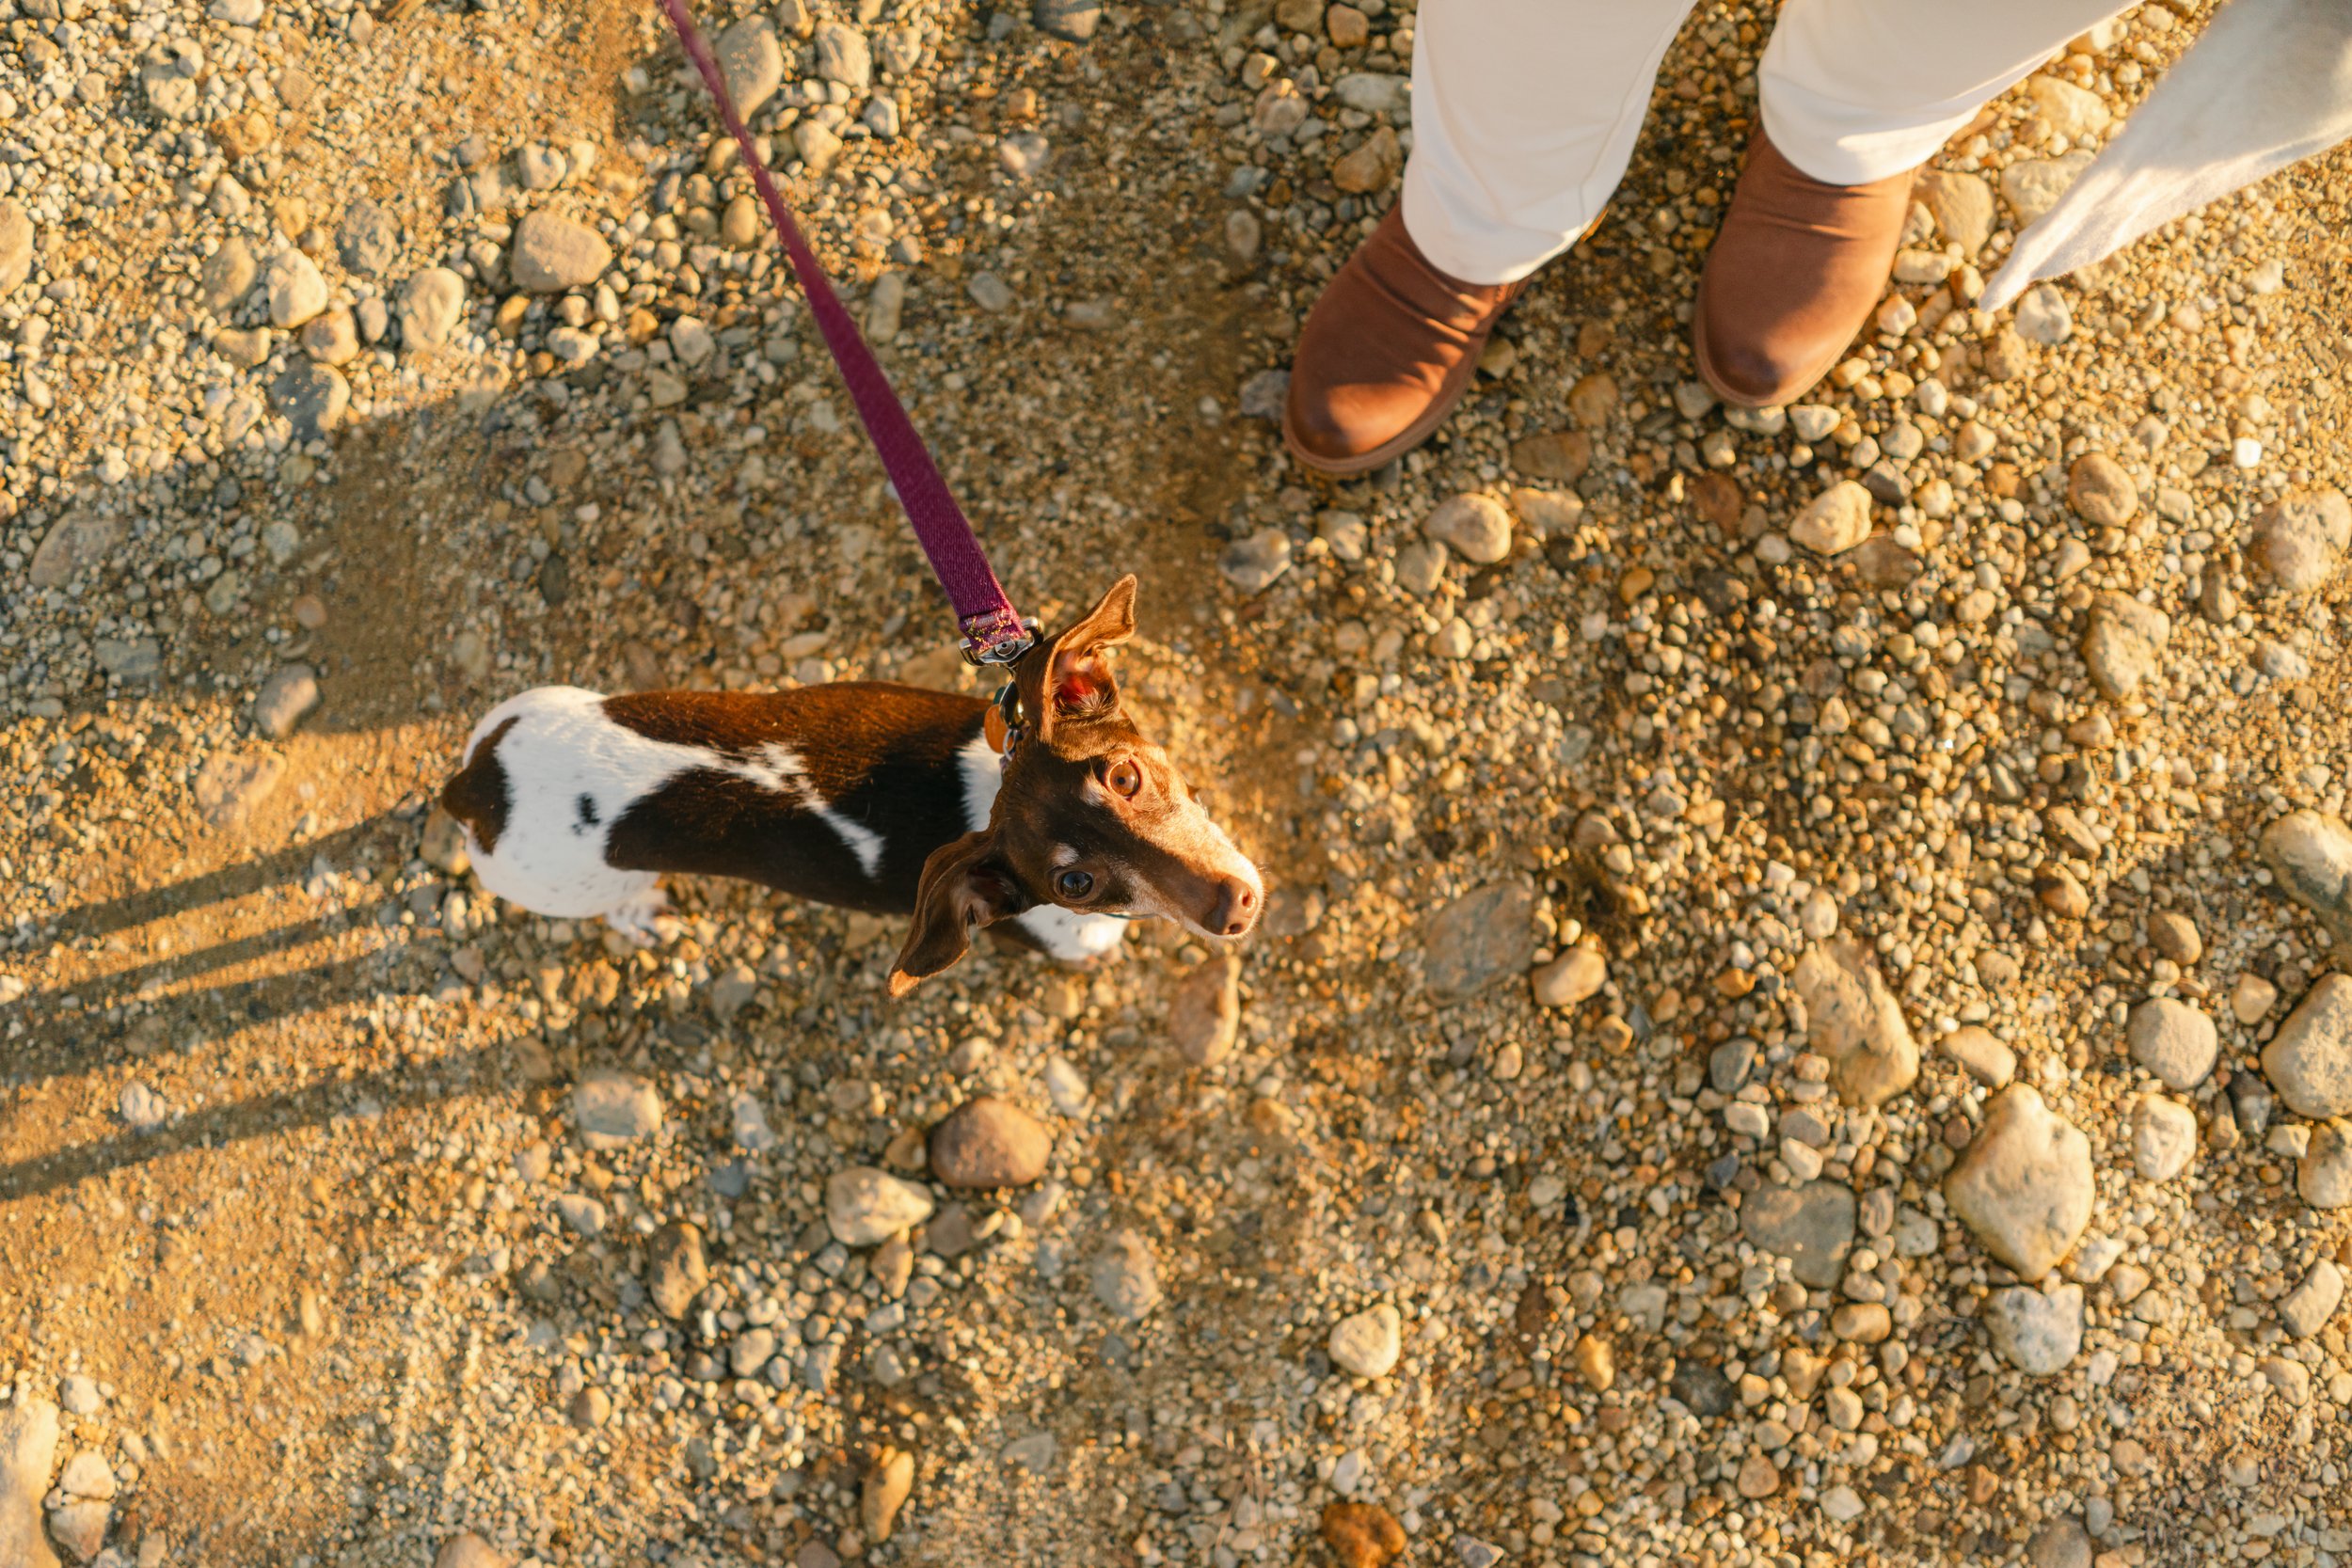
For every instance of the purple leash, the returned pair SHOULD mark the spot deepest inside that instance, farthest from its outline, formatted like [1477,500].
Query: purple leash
[993,632]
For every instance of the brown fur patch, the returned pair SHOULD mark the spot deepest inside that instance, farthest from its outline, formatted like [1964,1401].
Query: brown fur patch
[478,795]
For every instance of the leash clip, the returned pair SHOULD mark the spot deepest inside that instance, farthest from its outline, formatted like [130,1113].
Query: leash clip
[997,640]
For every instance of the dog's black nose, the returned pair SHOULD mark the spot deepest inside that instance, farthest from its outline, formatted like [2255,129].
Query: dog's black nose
[1236,907]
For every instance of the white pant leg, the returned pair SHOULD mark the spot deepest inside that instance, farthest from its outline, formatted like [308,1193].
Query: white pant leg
[1856,90]
[1524,116]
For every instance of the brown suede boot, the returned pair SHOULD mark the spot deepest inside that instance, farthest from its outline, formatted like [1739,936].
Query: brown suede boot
[1386,354]
[1793,273]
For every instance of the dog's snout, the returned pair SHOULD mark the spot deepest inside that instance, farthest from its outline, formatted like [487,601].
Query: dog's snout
[1236,907]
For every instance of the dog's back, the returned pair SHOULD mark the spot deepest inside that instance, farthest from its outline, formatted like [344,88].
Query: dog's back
[546,773]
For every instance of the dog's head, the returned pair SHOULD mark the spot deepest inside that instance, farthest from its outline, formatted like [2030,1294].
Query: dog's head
[1091,817]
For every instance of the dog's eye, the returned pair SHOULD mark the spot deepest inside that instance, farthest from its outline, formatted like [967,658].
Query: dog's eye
[1074,883]
[1124,777]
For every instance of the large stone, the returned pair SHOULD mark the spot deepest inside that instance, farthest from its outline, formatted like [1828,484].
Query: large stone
[552,254]
[843,56]
[1125,1278]
[2074,113]
[28,1446]
[1571,978]
[2174,1039]
[863,1206]
[1368,1343]
[987,1142]
[2025,1185]
[1073,20]
[1962,205]
[369,241]
[675,1273]
[1372,165]
[2032,186]
[1559,455]
[1478,939]
[2324,1177]
[2307,1309]
[1204,1017]
[467,1550]
[227,276]
[1811,1225]
[2164,1137]
[291,693]
[1853,1020]
[884,1493]
[2100,491]
[16,247]
[614,1108]
[76,541]
[2298,539]
[312,397]
[2310,1060]
[1254,562]
[230,787]
[751,62]
[2037,1331]
[80,1527]
[297,290]
[1476,527]
[429,307]
[2310,854]
[2060,1543]
[2124,644]
[1362,1535]
[1834,521]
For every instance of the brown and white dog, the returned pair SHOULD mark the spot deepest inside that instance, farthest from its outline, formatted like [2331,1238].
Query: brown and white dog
[878,796]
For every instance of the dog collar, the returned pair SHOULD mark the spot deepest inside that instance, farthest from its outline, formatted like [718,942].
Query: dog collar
[1003,724]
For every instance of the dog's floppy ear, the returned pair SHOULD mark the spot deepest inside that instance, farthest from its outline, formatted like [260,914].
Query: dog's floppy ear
[1067,673]
[964,887]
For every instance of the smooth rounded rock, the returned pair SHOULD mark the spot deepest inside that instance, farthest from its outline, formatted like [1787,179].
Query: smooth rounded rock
[2174,1039]
[1368,1343]
[675,1273]
[296,291]
[1574,976]
[551,254]
[987,1142]
[1204,1016]
[429,306]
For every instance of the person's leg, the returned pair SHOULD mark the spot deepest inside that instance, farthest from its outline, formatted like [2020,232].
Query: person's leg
[1524,116]
[1856,95]
[1857,90]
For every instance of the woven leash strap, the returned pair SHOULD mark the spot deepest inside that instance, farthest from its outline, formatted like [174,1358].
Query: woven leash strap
[993,632]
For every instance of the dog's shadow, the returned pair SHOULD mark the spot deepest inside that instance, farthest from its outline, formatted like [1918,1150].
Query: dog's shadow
[179,1003]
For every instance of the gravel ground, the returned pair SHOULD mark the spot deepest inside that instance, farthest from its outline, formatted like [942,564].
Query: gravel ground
[1798,1018]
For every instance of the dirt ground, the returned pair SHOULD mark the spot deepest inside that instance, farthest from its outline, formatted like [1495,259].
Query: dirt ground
[291,1163]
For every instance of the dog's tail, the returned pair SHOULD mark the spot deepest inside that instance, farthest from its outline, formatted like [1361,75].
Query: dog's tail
[479,796]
